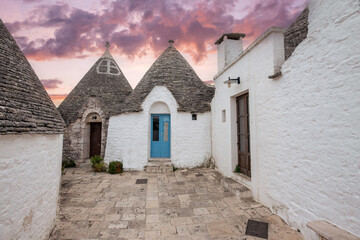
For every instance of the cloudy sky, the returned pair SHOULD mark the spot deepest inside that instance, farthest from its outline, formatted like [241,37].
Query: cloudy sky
[63,39]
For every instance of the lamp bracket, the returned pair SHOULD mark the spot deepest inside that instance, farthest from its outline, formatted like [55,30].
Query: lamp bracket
[235,80]
[232,80]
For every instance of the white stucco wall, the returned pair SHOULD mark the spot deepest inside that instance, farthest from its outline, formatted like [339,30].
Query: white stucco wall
[317,154]
[129,134]
[227,51]
[30,171]
[253,68]
[305,139]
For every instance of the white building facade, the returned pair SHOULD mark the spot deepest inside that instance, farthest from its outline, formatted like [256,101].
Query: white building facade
[29,183]
[301,157]
[166,120]
[31,135]
[133,145]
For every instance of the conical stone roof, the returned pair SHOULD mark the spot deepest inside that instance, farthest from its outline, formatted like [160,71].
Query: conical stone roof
[104,82]
[174,72]
[25,107]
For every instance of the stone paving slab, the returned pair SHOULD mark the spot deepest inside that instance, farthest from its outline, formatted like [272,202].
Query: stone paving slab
[186,204]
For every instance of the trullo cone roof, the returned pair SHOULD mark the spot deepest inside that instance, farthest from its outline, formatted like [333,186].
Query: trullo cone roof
[25,107]
[108,87]
[174,72]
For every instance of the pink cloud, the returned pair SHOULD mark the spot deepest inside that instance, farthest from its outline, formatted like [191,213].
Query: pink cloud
[51,83]
[140,27]
[264,15]
[31,1]
[57,98]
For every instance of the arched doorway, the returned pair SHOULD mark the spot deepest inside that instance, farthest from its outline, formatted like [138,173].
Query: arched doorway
[95,124]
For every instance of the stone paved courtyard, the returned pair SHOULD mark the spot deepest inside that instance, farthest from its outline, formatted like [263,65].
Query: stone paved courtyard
[186,204]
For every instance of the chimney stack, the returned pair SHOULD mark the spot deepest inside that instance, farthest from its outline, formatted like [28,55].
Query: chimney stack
[229,46]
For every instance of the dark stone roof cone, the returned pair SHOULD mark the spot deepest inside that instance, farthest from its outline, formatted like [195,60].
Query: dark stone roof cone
[25,106]
[110,90]
[174,72]
[296,33]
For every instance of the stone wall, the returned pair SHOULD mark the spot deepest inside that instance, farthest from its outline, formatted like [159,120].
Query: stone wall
[129,134]
[77,134]
[305,142]
[30,171]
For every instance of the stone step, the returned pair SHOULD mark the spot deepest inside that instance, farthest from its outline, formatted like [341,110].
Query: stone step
[167,160]
[330,231]
[159,169]
[236,188]
[159,165]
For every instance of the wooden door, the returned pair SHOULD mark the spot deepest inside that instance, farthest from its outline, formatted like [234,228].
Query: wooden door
[243,134]
[95,139]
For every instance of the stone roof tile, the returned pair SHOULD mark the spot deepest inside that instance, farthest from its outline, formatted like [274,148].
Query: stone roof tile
[109,89]
[174,72]
[296,33]
[25,107]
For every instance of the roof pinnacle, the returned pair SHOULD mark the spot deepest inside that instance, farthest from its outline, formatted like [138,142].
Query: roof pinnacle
[171,42]
[107,44]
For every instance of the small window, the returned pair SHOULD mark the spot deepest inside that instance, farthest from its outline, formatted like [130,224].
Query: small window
[194,117]
[223,115]
[156,127]
[166,131]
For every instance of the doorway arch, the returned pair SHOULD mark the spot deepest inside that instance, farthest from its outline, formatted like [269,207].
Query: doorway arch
[93,140]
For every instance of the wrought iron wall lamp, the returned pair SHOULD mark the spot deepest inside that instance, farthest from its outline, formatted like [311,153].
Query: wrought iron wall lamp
[231,81]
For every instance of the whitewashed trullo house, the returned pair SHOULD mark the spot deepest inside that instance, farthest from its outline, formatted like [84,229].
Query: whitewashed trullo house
[290,125]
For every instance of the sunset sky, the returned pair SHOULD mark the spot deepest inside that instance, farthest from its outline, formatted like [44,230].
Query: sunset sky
[63,39]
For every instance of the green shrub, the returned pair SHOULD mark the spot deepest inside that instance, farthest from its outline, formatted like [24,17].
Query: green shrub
[100,167]
[237,169]
[96,159]
[98,164]
[174,168]
[115,167]
[71,164]
[68,164]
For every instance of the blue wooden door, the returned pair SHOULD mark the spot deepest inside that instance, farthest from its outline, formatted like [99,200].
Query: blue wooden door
[160,136]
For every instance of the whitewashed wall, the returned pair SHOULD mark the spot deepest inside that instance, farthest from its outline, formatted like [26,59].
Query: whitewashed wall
[253,67]
[30,171]
[305,138]
[317,155]
[228,50]
[129,134]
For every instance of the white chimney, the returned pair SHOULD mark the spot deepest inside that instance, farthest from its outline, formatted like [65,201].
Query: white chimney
[229,46]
